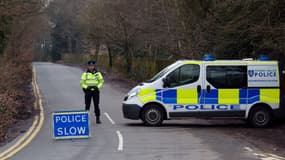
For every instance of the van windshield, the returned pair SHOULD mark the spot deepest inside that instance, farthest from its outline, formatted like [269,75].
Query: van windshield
[162,73]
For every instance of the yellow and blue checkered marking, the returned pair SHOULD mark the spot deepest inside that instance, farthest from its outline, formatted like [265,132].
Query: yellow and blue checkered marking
[216,96]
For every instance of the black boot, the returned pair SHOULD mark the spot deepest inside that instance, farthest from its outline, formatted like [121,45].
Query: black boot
[98,120]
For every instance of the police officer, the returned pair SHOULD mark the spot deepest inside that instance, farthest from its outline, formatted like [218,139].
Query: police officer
[91,82]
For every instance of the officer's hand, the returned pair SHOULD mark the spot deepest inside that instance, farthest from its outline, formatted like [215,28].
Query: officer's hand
[84,90]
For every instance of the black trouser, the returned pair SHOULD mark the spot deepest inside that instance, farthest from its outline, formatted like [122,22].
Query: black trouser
[96,96]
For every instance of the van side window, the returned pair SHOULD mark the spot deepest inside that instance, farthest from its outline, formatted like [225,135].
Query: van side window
[227,76]
[186,74]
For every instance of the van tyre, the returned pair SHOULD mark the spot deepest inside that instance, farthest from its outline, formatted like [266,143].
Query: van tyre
[152,115]
[260,117]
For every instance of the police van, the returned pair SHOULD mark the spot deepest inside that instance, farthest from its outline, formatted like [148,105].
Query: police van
[245,89]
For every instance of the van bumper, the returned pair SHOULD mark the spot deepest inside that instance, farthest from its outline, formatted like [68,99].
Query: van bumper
[131,111]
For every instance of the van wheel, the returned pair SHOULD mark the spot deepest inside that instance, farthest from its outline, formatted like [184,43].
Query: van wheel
[152,115]
[260,117]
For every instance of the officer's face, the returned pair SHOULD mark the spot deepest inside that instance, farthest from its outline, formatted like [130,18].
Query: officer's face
[91,67]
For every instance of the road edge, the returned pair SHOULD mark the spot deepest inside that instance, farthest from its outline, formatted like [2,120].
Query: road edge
[33,131]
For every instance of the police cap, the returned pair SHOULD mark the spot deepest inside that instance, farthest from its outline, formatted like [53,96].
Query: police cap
[91,63]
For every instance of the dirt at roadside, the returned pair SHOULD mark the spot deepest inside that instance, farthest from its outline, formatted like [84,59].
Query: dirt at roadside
[269,140]
[23,120]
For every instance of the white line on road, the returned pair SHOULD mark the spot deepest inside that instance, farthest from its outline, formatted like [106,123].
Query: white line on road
[121,141]
[110,119]
[248,149]
[268,156]
[120,136]
[264,156]
[275,156]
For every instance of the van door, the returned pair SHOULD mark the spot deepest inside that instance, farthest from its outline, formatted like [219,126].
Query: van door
[225,92]
[183,90]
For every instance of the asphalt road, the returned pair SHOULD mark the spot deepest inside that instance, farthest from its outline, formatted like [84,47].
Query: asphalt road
[120,138]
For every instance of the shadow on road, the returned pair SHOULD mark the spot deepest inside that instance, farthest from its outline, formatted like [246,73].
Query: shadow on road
[210,123]
[194,125]
[270,139]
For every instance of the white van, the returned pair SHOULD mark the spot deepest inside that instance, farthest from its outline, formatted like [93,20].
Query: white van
[246,89]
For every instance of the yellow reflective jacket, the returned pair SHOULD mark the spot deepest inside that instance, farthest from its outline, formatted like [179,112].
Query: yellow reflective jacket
[91,79]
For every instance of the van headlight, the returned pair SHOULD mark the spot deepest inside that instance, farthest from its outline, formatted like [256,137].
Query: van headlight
[134,93]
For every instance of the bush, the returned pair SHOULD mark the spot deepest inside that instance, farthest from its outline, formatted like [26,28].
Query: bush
[142,68]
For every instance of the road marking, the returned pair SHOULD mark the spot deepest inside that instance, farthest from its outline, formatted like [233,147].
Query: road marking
[119,134]
[264,156]
[248,149]
[33,130]
[121,141]
[110,119]
[275,156]
[268,156]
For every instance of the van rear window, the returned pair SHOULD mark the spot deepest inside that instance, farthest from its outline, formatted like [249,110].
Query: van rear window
[227,76]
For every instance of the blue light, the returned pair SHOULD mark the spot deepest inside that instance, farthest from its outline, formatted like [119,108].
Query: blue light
[263,57]
[209,57]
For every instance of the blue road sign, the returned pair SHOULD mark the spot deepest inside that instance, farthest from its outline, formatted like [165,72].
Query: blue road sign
[70,125]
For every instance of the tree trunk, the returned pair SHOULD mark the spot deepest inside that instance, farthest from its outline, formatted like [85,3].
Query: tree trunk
[110,56]
[97,48]
[149,51]
[129,57]
[69,44]
[178,12]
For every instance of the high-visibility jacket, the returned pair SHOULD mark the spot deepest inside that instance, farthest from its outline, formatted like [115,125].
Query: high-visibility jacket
[91,79]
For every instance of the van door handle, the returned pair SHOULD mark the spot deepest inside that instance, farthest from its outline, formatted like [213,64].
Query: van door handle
[198,88]
[208,89]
